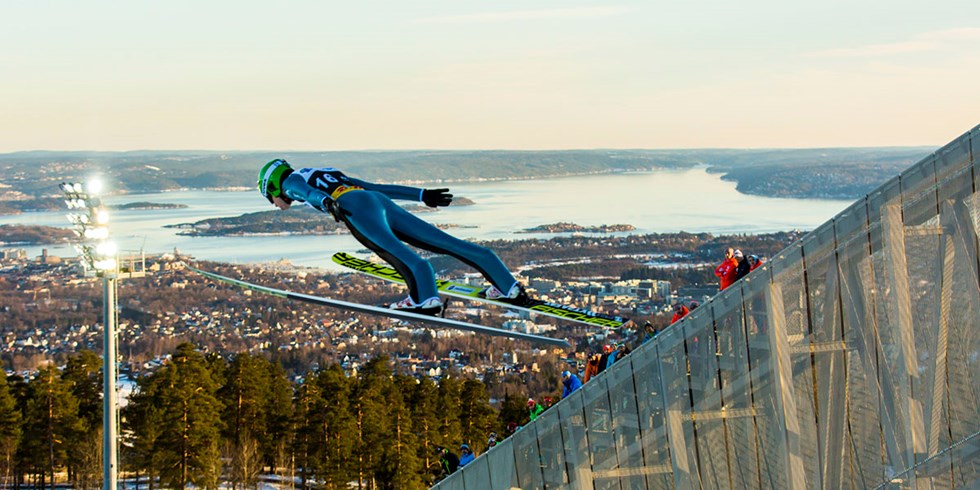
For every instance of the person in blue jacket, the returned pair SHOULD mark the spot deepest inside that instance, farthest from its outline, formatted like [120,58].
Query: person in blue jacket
[570,382]
[465,455]
[385,228]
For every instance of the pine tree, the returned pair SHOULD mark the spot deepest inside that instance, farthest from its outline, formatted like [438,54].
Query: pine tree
[422,403]
[22,393]
[477,417]
[308,402]
[83,376]
[83,373]
[51,423]
[370,417]
[513,411]
[217,366]
[324,428]
[447,408]
[10,428]
[245,399]
[142,424]
[278,417]
[337,434]
[400,467]
[191,419]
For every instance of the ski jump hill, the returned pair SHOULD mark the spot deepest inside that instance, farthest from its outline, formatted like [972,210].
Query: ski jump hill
[849,360]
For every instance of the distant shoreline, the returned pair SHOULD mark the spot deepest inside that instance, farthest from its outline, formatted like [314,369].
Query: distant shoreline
[809,173]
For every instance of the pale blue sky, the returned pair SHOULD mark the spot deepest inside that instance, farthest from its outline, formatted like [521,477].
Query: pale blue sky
[440,74]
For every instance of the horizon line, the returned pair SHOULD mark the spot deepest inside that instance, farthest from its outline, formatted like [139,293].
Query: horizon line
[451,150]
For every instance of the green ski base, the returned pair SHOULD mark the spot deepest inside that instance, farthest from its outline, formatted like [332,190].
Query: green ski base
[465,291]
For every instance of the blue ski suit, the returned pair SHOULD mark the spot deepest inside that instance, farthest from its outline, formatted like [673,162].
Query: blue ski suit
[384,227]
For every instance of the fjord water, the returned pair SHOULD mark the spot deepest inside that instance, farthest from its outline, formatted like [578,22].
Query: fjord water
[661,201]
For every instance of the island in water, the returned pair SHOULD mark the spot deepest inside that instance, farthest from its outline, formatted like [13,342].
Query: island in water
[563,227]
[147,206]
[33,235]
[301,220]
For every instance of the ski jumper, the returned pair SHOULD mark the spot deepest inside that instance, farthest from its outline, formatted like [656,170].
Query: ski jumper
[384,227]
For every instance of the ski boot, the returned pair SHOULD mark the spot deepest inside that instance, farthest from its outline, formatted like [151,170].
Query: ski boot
[516,296]
[431,306]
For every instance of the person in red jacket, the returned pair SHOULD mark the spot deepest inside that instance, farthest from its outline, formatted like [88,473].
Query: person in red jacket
[680,311]
[726,270]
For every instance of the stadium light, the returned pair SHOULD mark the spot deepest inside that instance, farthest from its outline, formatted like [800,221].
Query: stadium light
[95,186]
[90,220]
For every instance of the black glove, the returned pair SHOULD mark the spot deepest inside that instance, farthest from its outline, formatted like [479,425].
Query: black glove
[324,206]
[436,197]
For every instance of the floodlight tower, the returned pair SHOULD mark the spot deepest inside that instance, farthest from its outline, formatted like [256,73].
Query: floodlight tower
[90,220]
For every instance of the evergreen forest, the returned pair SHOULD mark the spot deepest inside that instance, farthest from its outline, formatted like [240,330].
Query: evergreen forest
[208,421]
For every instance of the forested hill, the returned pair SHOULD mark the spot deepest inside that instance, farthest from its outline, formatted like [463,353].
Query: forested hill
[148,171]
[831,173]
[841,172]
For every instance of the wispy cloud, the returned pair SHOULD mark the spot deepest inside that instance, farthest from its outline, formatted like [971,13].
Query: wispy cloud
[928,41]
[521,15]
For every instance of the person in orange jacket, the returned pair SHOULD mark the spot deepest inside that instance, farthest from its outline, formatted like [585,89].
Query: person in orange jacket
[680,311]
[592,366]
[726,270]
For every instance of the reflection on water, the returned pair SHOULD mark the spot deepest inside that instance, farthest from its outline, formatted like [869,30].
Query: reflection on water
[653,202]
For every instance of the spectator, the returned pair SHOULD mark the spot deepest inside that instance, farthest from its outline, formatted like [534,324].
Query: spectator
[648,333]
[694,304]
[534,408]
[465,455]
[622,351]
[743,267]
[611,357]
[726,270]
[755,261]
[491,440]
[448,460]
[592,366]
[604,358]
[570,383]
[680,311]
